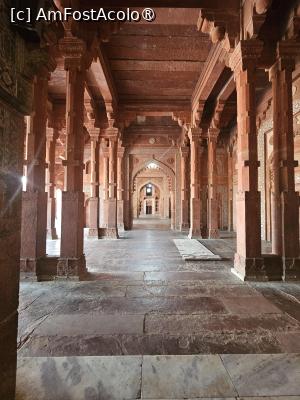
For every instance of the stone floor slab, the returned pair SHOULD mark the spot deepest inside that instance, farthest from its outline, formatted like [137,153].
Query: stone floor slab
[194,324]
[78,378]
[176,377]
[91,324]
[264,375]
[253,306]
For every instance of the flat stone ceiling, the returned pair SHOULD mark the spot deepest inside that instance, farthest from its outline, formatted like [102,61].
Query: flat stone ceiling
[161,60]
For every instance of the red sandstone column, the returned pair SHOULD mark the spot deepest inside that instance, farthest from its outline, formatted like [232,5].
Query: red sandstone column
[184,217]
[93,203]
[230,189]
[34,201]
[195,214]
[52,136]
[248,263]
[71,263]
[110,203]
[276,223]
[120,188]
[283,133]
[213,228]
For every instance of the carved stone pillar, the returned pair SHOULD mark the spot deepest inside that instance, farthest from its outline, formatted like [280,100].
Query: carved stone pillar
[110,229]
[71,263]
[276,223]
[34,202]
[120,188]
[93,203]
[184,216]
[11,158]
[172,205]
[195,202]
[52,136]
[248,263]
[213,229]
[285,215]
[230,188]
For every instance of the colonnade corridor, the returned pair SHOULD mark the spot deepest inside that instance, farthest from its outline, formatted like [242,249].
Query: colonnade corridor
[147,324]
[149,200]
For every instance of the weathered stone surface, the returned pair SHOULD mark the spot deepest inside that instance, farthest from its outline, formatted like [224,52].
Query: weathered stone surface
[78,378]
[264,375]
[183,377]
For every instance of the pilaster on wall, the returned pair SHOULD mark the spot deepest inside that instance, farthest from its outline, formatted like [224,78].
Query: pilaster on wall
[248,262]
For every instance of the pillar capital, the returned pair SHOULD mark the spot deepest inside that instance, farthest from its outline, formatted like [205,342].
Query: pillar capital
[40,62]
[121,151]
[94,133]
[184,151]
[112,134]
[74,53]
[195,134]
[287,51]
[213,134]
[246,55]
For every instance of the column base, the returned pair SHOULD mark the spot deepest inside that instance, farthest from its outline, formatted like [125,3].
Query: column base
[121,228]
[39,270]
[184,227]
[213,233]
[71,268]
[194,234]
[94,233]
[291,269]
[28,265]
[249,269]
[109,233]
[52,234]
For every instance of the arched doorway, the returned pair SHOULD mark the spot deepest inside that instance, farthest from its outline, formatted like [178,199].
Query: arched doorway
[149,201]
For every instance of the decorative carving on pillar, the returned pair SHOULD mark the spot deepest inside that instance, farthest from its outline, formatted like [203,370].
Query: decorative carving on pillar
[248,259]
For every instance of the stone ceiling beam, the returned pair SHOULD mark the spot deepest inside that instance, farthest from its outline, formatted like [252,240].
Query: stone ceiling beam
[100,76]
[212,71]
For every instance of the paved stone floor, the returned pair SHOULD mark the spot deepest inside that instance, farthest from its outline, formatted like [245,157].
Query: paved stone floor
[147,324]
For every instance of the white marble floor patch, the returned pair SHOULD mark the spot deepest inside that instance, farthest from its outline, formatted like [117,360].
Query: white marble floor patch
[193,377]
[79,378]
[264,374]
[191,249]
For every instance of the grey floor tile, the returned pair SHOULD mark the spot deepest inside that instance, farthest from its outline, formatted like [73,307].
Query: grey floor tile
[78,378]
[176,377]
[264,375]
